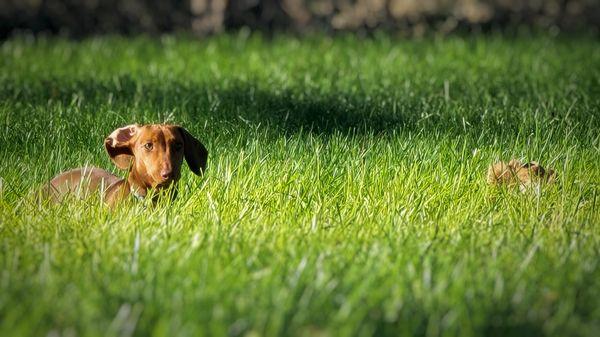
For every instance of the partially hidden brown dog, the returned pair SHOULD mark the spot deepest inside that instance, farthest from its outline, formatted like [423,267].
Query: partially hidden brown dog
[152,154]
[515,173]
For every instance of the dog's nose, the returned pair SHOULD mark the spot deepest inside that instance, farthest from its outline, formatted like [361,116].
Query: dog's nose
[166,174]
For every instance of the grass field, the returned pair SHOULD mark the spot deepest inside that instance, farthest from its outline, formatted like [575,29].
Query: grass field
[345,194]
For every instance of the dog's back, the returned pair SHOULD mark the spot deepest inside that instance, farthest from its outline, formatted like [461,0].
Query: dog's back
[80,182]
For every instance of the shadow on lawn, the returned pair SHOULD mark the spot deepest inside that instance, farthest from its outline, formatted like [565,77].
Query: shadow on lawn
[288,111]
[240,103]
[284,109]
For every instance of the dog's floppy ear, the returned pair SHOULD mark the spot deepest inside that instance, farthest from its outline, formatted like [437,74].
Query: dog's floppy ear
[535,168]
[551,175]
[195,153]
[118,145]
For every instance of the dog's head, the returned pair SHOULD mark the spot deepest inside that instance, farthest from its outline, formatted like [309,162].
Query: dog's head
[537,171]
[155,152]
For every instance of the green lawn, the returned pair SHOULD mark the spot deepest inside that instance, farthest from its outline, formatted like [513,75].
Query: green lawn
[345,193]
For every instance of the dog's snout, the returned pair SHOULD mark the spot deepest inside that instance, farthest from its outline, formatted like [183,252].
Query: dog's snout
[166,173]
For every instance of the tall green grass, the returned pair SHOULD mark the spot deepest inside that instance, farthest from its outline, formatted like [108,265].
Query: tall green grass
[345,193]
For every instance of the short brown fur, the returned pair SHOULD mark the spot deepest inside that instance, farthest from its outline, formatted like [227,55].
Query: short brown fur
[516,173]
[152,154]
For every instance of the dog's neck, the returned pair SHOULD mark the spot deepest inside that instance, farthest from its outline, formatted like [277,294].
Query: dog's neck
[137,187]
[135,192]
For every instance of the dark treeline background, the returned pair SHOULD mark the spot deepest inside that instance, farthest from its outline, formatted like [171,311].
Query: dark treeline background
[78,18]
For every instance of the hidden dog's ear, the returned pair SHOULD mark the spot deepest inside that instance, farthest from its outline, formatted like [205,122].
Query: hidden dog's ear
[535,168]
[118,145]
[194,152]
[551,175]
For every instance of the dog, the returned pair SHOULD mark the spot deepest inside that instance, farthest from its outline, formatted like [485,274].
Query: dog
[517,173]
[152,154]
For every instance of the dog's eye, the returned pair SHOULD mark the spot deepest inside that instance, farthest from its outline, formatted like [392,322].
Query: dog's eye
[148,146]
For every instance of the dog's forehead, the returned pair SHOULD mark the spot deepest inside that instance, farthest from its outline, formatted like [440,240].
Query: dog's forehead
[148,132]
[160,132]
[171,132]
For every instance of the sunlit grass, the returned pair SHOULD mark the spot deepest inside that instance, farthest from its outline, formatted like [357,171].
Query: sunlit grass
[345,193]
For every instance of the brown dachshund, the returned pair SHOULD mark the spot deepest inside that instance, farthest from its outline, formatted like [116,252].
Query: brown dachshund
[153,155]
[516,173]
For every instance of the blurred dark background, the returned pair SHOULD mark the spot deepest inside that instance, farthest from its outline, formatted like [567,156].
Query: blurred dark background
[78,18]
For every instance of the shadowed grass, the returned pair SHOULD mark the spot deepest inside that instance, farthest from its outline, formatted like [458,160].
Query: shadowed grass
[345,193]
